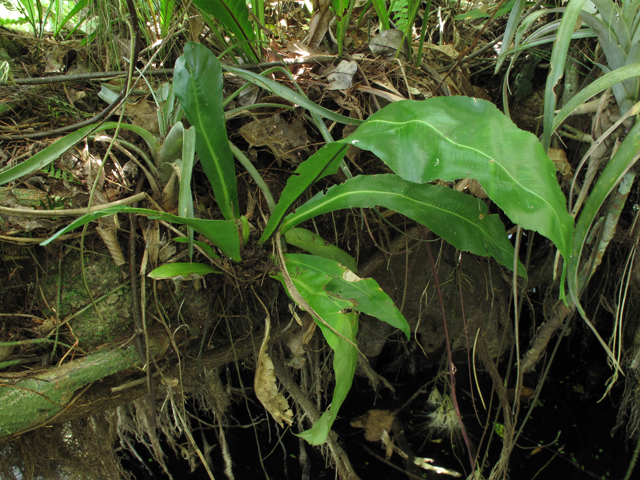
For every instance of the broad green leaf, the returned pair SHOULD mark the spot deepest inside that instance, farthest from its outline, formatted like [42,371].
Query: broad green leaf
[222,233]
[449,138]
[204,246]
[178,269]
[316,245]
[310,284]
[322,163]
[233,14]
[288,94]
[461,220]
[197,83]
[364,294]
[55,150]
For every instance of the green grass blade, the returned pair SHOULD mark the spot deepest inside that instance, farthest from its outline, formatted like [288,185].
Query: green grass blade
[55,150]
[510,31]
[383,15]
[288,94]
[558,59]
[234,15]
[600,85]
[222,233]
[625,157]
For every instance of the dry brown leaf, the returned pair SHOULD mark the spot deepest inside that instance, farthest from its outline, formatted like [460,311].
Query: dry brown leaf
[374,422]
[265,387]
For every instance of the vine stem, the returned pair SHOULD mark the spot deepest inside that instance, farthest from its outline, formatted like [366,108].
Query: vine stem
[452,369]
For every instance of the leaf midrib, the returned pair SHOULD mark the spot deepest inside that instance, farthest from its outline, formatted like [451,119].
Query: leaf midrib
[467,147]
[291,219]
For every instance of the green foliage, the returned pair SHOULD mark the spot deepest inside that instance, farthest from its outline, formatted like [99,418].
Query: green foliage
[38,15]
[437,139]
[197,83]
[460,219]
[335,293]
[618,31]
[462,137]
[324,162]
[207,249]
[558,59]
[222,233]
[315,244]
[618,166]
[401,8]
[233,14]
[383,15]
[483,13]
[53,151]
[183,270]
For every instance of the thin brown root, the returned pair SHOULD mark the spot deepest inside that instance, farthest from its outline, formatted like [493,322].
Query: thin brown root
[343,465]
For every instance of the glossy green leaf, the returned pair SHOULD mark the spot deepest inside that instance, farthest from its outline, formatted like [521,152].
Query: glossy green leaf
[364,294]
[55,150]
[204,246]
[222,233]
[322,163]
[310,283]
[234,15]
[461,220]
[197,83]
[316,245]
[178,269]
[448,138]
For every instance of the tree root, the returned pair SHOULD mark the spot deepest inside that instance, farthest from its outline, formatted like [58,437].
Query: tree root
[544,334]
[343,465]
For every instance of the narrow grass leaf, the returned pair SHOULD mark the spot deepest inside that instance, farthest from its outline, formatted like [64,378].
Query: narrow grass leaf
[222,233]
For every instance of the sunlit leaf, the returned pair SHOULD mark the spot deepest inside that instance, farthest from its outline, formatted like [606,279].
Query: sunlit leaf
[461,220]
[450,138]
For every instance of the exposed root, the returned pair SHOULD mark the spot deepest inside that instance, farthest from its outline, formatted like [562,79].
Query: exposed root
[343,465]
